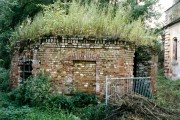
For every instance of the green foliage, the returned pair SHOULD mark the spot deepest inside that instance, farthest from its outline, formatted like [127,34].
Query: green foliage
[58,102]
[38,88]
[4,80]
[13,113]
[82,100]
[9,110]
[4,100]
[143,54]
[12,13]
[27,113]
[145,11]
[6,18]
[37,114]
[97,112]
[18,96]
[34,91]
[78,100]
[85,20]
[168,92]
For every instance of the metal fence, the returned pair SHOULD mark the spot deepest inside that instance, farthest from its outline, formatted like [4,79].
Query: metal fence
[116,88]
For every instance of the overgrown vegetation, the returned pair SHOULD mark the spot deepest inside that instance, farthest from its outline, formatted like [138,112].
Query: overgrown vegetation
[35,99]
[34,91]
[168,92]
[165,106]
[85,20]
[131,106]
[4,80]
[12,13]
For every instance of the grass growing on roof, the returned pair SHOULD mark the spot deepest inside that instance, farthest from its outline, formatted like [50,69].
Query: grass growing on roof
[85,20]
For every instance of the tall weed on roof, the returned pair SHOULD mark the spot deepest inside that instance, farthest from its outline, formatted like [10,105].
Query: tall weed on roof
[85,20]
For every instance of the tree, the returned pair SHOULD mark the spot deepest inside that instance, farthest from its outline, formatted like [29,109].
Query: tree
[12,13]
[145,11]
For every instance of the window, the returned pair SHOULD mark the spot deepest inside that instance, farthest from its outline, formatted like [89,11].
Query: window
[175,48]
[25,70]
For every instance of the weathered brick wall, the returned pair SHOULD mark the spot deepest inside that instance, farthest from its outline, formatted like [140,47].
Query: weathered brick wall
[78,63]
[14,76]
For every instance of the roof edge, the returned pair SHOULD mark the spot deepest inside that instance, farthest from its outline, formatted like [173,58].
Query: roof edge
[172,23]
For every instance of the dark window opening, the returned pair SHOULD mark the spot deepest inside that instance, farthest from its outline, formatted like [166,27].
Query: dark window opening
[26,70]
[175,49]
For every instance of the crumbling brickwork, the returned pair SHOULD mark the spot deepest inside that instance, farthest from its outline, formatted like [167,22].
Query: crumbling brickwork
[75,64]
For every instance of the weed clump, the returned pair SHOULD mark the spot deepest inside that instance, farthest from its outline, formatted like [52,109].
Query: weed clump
[85,20]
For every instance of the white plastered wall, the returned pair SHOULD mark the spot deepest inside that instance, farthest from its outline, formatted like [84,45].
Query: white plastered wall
[174,31]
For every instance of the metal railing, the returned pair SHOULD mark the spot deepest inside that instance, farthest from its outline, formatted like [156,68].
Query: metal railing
[116,88]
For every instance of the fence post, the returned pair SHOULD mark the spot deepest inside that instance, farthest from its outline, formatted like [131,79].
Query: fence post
[154,75]
[106,97]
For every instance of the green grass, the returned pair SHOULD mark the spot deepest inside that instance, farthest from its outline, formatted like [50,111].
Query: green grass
[168,92]
[37,114]
[10,111]
[168,97]
[85,20]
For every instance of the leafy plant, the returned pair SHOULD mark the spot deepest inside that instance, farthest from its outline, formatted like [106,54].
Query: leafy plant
[14,113]
[97,112]
[82,100]
[58,102]
[34,91]
[4,80]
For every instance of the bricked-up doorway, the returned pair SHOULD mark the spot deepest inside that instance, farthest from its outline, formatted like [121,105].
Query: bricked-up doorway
[85,76]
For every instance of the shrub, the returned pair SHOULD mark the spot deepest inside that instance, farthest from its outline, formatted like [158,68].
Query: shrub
[82,100]
[57,102]
[97,112]
[18,96]
[4,80]
[13,113]
[38,89]
[4,100]
[34,91]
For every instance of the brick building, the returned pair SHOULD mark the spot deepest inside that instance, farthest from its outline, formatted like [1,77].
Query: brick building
[78,63]
[73,63]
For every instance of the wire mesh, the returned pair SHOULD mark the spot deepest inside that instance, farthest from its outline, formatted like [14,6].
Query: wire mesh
[119,87]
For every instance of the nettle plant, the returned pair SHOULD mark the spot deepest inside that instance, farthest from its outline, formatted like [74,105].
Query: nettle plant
[85,20]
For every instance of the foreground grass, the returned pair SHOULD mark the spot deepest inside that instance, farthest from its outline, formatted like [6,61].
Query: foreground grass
[10,111]
[168,92]
[37,114]
[168,97]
